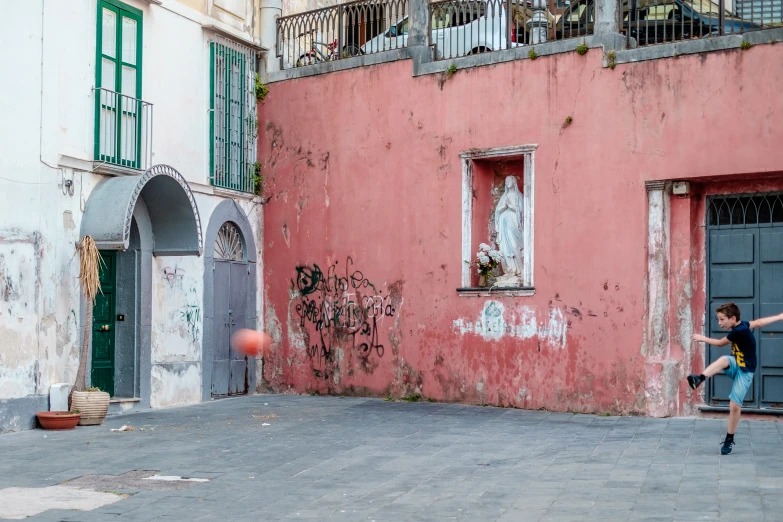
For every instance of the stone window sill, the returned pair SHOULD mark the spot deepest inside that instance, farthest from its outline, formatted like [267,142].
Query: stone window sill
[510,291]
[122,400]
[101,167]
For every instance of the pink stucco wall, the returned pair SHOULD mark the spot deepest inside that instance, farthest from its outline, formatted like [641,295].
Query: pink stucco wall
[364,164]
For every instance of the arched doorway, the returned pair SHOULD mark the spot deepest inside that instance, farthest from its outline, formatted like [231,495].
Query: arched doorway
[132,219]
[229,301]
[231,275]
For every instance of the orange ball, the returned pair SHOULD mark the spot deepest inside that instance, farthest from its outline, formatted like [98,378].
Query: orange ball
[251,342]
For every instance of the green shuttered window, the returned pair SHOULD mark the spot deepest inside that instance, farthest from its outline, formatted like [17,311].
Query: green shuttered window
[233,119]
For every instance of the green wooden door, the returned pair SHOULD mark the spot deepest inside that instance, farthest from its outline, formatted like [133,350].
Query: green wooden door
[103,326]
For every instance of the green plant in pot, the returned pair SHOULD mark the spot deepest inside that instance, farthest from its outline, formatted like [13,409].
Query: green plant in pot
[92,403]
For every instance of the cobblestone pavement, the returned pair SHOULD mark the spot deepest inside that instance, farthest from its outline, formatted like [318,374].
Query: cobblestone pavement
[275,457]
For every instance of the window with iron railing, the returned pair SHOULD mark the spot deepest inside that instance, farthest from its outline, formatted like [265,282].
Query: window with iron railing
[123,121]
[233,119]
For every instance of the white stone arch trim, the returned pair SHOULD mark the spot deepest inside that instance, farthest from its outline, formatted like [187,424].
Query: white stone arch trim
[170,203]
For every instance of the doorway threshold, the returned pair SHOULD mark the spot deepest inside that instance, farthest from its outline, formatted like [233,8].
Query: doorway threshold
[725,409]
[229,396]
[120,400]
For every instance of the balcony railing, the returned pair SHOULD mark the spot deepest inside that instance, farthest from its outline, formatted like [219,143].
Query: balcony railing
[465,27]
[341,31]
[648,22]
[123,130]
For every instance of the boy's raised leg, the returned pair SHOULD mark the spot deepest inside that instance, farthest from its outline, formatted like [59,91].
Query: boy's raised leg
[718,366]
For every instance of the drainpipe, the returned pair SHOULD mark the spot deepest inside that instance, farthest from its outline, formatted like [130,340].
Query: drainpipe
[271,10]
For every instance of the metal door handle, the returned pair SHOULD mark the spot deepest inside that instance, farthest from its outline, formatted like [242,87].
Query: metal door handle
[105,327]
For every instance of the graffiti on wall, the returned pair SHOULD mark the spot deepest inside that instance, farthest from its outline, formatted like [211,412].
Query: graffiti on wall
[173,276]
[191,315]
[340,307]
[493,324]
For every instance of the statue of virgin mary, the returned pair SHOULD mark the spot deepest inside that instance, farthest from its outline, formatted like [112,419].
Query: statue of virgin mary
[509,219]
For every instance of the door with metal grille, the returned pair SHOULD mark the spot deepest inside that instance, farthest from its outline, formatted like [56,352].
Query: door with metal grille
[231,281]
[745,265]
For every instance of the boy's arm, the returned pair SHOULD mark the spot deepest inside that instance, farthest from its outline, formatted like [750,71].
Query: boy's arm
[764,321]
[714,342]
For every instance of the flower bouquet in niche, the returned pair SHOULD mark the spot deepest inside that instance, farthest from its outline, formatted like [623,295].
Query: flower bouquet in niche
[487,259]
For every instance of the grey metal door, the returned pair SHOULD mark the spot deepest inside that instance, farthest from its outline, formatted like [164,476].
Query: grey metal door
[745,265]
[231,280]
[238,319]
[221,368]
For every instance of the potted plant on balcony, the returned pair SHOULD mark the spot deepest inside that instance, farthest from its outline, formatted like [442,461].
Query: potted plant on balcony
[93,403]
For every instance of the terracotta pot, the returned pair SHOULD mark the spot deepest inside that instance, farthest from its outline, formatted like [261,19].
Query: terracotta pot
[93,406]
[482,282]
[58,420]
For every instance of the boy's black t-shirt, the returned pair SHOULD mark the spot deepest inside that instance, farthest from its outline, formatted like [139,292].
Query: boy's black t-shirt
[743,346]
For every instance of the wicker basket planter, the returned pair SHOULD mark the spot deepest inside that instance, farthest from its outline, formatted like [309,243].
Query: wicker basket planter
[92,405]
[58,420]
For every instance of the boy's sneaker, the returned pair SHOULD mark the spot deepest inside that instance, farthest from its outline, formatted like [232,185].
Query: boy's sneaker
[727,444]
[694,381]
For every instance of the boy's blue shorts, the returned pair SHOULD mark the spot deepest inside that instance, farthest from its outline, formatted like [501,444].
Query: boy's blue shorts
[742,381]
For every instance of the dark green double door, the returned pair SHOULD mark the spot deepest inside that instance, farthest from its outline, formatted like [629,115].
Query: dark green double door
[745,265]
[103,326]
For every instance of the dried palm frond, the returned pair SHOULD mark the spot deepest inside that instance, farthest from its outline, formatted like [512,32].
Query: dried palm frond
[90,262]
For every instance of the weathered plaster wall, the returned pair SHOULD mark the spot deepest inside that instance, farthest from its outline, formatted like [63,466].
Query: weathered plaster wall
[177,311]
[368,188]
[51,141]
[291,7]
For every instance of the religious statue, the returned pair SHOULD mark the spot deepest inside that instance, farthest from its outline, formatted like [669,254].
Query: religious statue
[509,219]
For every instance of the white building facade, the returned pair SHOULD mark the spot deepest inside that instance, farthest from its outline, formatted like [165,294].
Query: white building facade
[133,122]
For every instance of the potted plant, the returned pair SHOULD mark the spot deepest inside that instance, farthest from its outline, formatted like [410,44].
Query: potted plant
[58,420]
[487,259]
[93,403]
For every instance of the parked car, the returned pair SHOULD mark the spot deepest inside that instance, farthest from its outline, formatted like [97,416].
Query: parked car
[462,29]
[651,21]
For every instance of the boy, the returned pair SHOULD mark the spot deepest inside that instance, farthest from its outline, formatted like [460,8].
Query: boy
[740,365]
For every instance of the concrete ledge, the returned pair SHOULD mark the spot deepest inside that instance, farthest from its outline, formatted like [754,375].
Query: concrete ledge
[121,406]
[521,291]
[606,42]
[228,193]
[223,29]
[509,55]
[725,409]
[19,414]
[702,45]
[339,65]
[100,167]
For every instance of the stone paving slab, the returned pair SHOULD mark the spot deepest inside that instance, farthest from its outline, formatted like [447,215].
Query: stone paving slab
[335,459]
